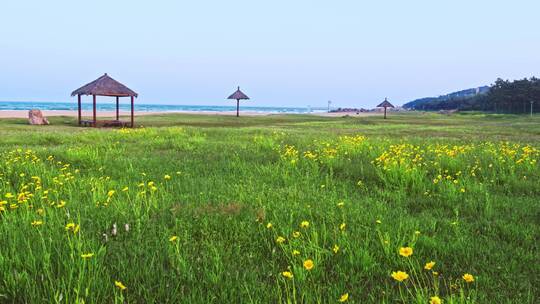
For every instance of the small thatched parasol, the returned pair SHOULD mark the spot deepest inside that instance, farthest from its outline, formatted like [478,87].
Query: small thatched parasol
[238,95]
[385,104]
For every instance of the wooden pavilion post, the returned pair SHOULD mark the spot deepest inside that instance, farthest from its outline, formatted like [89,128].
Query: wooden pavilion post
[238,108]
[117,108]
[79,107]
[94,116]
[384,112]
[132,111]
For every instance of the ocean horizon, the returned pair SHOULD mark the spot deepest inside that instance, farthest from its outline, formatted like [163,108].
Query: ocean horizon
[110,106]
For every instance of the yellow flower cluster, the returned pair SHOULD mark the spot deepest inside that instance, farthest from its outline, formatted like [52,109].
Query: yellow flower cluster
[417,279]
[406,156]
[324,151]
[290,154]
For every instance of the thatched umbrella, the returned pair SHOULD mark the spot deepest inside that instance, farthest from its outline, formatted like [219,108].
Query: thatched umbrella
[385,104]
[105,86]
[238,95]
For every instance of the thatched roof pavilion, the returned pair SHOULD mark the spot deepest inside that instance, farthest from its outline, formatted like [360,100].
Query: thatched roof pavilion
[105,86]
[385,104]
[238,95]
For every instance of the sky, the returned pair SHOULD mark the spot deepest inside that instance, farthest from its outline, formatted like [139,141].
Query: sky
[282,53]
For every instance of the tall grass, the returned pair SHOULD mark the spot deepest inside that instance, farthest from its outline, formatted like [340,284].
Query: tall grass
[198,209]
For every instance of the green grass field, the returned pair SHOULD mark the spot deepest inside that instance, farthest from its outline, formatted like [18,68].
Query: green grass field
[295,209]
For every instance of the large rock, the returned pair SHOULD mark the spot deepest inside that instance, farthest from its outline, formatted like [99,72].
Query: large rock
[35,117]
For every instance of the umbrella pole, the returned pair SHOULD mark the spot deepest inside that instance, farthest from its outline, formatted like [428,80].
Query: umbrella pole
[238,108]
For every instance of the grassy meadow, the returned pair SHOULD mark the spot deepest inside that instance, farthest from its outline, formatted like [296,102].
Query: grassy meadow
[419,208]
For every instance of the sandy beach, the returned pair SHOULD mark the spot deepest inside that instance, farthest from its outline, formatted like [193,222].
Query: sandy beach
[50,113]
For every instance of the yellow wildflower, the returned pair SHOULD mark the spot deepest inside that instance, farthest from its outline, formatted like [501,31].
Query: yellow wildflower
[378,222]
[280,240]
[435,300]
[469,278]
[269,225]
[61,204]
[173,238]
[429,265]
[37,223]
[111,193]
[287,274]
[341,204]
[304,224]
[125,189]
[342,226]
[308,264]
[400,276]
[167,177]
[405,251]
[295,252]
[9,195]
[72,227]
[21,197]
[335,249]
[296,234]
[344,297]
[120,285]
[87,255]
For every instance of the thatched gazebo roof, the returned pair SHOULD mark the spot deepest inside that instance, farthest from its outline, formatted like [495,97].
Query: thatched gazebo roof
[385,104]
[238,95]
[105,86]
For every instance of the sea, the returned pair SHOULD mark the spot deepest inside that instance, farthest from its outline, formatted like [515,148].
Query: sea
[111,106]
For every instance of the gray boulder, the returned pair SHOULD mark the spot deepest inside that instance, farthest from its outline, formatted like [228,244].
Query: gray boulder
[35,117]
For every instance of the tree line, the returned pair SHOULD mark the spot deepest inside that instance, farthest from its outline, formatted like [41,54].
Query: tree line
[503,96]
[511,96]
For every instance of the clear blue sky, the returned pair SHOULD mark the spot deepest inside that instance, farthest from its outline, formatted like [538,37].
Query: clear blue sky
[282,53]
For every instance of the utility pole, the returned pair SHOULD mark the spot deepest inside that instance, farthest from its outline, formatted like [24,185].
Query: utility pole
[329,103]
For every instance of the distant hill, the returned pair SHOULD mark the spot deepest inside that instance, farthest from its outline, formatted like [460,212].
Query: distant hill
[450,101]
